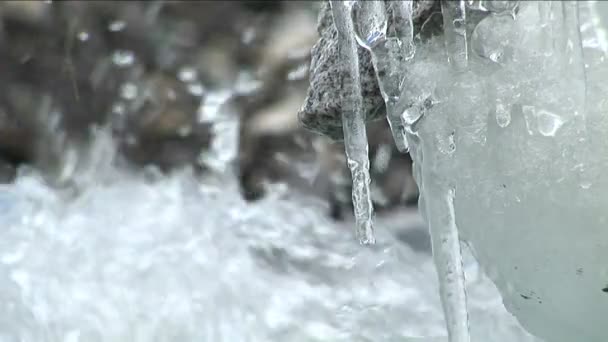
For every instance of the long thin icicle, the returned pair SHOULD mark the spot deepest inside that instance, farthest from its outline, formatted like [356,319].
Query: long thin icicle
[448,258]
[353,122]
[454,30]
[576,73]
[440,197]
[575,63]
[389,54]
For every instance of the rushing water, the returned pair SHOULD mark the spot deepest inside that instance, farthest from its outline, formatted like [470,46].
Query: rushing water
[140,257]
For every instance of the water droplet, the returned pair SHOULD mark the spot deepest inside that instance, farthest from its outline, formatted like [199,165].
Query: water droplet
[187,74]
[493,37]
[128,91]
[299,73]
[548,123]
[248,35]
[83,36]
[117,25]
[123,58]
[196,89]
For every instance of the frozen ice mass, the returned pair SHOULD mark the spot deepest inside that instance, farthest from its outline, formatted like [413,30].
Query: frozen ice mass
[508,153]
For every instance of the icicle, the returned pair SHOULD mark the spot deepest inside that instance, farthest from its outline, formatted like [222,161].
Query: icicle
[454,30]
[404,24]
[439,197]
[389,54]
[448,258]
[353,121]
[544,14]
[576,74]
[575,62]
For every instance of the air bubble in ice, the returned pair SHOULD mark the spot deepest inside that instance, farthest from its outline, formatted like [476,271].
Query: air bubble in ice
[548,123]
[503,114]
[493,37]
[446,145]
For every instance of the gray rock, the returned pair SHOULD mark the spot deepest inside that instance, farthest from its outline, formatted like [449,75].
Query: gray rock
[321,111]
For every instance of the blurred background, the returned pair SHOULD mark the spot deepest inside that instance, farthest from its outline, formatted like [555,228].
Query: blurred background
[157,186]
[164,77]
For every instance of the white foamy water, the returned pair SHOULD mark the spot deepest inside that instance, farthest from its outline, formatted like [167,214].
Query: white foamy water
[182,259]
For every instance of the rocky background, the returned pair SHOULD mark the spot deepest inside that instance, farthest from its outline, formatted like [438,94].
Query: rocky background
[143,69]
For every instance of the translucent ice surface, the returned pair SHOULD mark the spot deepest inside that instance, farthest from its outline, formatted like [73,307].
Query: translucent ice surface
[145,258]
[353,122]
[517,130]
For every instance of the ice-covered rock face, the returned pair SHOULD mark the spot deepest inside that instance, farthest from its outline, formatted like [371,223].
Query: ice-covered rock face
[516,132]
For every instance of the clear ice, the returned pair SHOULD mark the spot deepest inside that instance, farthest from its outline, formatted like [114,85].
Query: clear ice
[505,120]
[390,53]
[353,121]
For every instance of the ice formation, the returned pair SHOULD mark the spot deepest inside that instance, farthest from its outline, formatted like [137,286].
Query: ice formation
[505,119]
[353,121]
